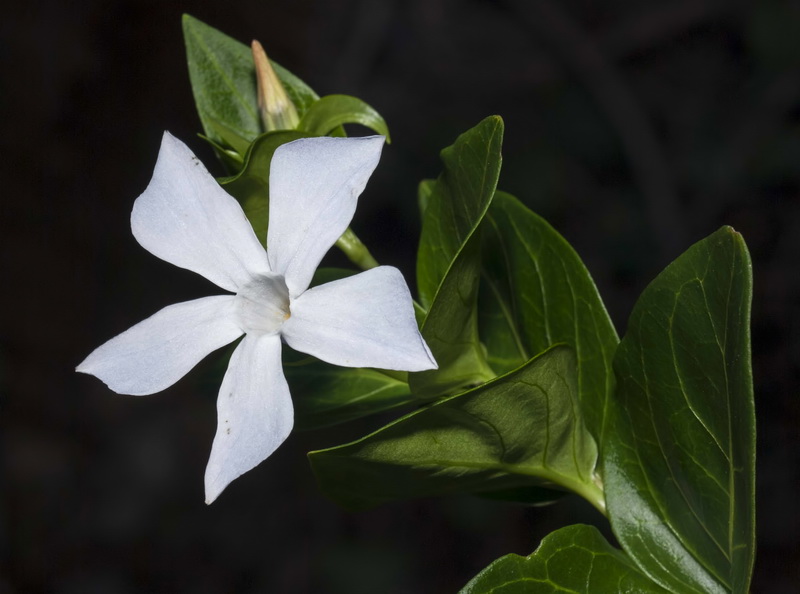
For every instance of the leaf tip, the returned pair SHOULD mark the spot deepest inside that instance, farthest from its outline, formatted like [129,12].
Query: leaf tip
[187,20]
[496,121]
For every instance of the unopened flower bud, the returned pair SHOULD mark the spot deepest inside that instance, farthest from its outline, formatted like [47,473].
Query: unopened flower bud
[277,110]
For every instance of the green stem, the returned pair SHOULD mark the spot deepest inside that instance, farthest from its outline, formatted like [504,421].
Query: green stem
[356,251]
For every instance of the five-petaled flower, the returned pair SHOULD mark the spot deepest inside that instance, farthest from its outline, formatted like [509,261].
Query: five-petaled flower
[187,219]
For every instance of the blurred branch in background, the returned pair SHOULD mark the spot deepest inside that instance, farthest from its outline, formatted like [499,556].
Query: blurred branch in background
[632,123]
[766,118]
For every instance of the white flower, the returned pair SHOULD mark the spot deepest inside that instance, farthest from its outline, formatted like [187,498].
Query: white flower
[184,217]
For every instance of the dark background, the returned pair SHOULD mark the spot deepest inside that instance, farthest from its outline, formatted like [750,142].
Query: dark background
[635,127]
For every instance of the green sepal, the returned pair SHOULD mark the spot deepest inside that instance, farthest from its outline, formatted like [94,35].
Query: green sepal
[679,465]
[332,111]
[575,560]
[521,429]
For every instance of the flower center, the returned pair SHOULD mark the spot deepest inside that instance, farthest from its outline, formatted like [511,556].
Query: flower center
[262,306]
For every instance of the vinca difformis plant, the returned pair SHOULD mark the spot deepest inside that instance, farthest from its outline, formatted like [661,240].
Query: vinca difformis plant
[514,382]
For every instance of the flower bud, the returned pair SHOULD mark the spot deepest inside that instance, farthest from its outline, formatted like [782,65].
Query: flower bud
[277,110]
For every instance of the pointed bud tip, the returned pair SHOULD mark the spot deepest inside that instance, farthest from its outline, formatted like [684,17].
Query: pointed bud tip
[277,110]
[257,49]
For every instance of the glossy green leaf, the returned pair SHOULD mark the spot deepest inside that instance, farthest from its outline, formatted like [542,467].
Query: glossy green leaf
[536,292]
[424,191]
[458,202]
[448,261]
[251,185]
[327,395]
[679,467]
[231,158]
[451,331]
[223,81]
[521,429]
[229,137]
[574,560]
[333,111]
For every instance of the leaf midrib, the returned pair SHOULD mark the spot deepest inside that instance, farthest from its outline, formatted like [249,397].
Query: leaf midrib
[506,309]
[677,483]
[667,517]
[480,215]
[218,67]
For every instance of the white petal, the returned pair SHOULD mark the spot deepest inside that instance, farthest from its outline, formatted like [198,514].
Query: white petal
[155,353]
[366,320]
[314,184]
[254,412]
[187,219]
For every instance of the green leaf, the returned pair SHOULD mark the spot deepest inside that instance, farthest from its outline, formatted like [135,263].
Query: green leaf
[536,292]
[251,185]
[448,261]
[451,331]
[458,202]
[232,159]
[327,395]
[224,84]
[680,465]
[229,137]
[424,191]
[333,111]
[575,560]
[521,429]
